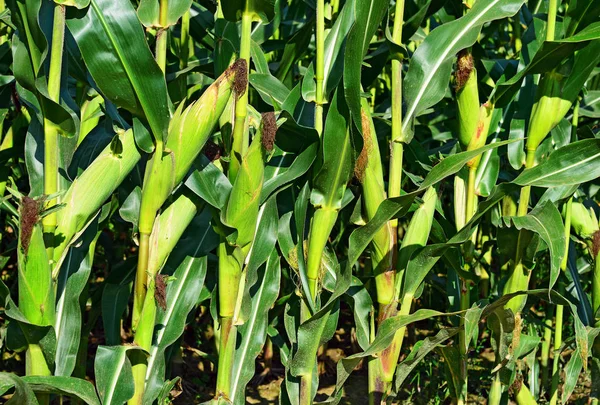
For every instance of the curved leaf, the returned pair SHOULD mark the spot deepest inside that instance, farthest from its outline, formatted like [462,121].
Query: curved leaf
[430,67]
[575,163]
[112,43]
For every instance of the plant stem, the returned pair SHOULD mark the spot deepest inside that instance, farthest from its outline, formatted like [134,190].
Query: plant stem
[141,278]
[397,147]
[556,360]
[185,41]
[228,283]
[320,69]
[162,36]
[495,391]
[552,9]
[519,278]
[240,134]
[51,152]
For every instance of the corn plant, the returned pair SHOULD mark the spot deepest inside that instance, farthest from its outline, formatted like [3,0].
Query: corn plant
[197,197]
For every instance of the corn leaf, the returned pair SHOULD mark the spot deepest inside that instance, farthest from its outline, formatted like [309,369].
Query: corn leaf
[71,282]
[23,393]
[254,329]
[575,163]
[114,378]
[181,297]
[430,67]
[148,11]
[367,17]
[112,43]
[75,388]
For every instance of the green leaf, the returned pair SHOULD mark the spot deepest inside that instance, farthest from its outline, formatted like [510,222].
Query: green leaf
[181,297]
[209,183]
[575,163]
[421,349]
[260,10]
[271,90]
[76,388]
[430,67]
[552,54]
[23,393]
[385,334]
[572,372]
[368,15]
[333,51]
[590,105]
[149,11]
[114,377]
[547,222]
[362,308]
[74,3]
[112,43]
[452,164]
[72,280]
[115,297]
[254,330]
[331,180]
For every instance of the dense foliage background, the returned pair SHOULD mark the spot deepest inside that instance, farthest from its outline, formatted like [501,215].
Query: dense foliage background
[290,201]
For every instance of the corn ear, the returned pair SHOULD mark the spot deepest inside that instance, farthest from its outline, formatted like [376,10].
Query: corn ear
[93,187]
[36,290]
[242,207]
[548,109]
[190,128]
[169,227]
[188,132]
[418,230]
[373,188]
[583,220]
[467,97]
[481,131]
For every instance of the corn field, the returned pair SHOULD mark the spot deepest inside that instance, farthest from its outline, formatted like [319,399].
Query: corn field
[347,201]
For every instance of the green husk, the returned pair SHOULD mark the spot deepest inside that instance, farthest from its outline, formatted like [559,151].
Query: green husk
[370,174]
[467,98]
[37,298]
[549,109]
[92,188]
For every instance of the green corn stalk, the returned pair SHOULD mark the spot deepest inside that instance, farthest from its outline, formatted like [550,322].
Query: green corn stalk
[398,138]
[383,253]
[241,214]
[416,236]
[549,97]
[51,131]
[188,132]
[320,68]
[168,228]
[240,125]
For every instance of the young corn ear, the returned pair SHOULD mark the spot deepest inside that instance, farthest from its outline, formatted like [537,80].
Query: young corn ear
[467,97]
[549,98]
[188,132]
[416,237]
[92,188]
[481,131]
[167,231]
[383,256]
[242,215]
[36,289]
[583,220]
[242,207]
